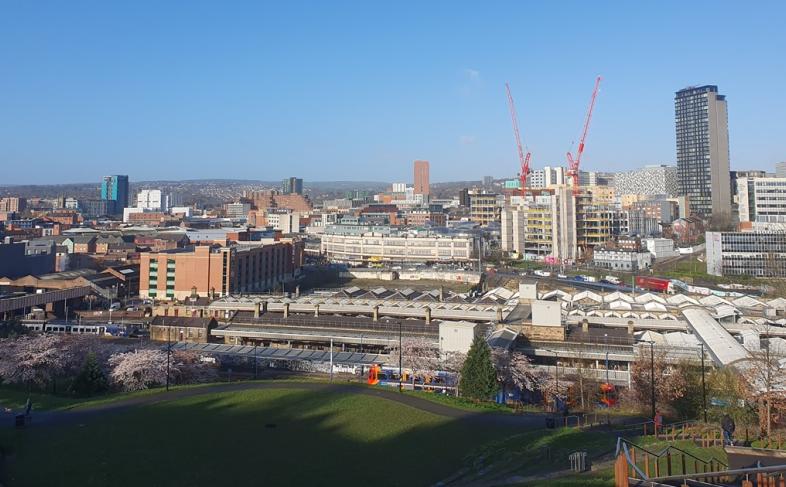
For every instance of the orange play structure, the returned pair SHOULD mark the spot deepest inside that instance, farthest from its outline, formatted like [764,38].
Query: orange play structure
[373,374]
[608,394]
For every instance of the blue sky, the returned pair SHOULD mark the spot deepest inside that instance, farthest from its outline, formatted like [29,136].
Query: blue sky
[357,90]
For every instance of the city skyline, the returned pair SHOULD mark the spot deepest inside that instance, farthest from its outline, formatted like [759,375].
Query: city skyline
[235,90]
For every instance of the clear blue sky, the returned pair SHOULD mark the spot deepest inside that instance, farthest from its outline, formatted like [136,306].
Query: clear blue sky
[357,90]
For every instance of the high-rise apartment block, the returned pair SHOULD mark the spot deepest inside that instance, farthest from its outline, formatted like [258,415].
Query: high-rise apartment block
[114,189]
[422,185]
[649,180]
[292,186]
[484,207]
[12,204]
[547,177]
[703,150]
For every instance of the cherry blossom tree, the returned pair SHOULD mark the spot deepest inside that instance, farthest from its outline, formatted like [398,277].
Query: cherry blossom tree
[420,355]
[33,360]
[515,368]
[140,369]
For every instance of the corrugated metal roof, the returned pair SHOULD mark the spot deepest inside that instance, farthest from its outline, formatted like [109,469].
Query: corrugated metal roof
[723,348]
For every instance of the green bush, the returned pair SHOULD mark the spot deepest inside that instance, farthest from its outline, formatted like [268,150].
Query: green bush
[91,379]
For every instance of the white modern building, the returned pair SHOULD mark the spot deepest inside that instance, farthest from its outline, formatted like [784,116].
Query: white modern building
[157,200]
[762,199]
[286,221]
[237,211]
[547,177]
[622,260]
[760,254]
[376,247]
[660,248]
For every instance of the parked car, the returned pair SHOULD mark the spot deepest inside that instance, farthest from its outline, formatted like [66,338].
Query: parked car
[542,273]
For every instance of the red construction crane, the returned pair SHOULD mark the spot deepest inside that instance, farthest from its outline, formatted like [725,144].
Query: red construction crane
[523,159]
[574,164]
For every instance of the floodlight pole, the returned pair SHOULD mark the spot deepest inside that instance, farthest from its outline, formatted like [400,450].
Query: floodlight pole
[703,385]
[168,350]
[400,358]
[652,378]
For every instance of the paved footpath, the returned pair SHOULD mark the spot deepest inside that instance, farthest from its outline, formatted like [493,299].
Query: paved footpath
[78,414]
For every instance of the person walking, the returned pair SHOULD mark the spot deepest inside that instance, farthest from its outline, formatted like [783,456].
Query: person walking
[657,421]
[728,427]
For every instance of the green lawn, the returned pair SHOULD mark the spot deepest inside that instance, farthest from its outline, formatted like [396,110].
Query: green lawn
[254,437]
[462,403]
[15,399]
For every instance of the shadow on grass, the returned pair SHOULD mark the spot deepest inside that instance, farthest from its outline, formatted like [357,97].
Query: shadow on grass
[249,437]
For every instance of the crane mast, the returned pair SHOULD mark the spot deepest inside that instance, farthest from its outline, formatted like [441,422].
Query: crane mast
[523,158]
[575,164]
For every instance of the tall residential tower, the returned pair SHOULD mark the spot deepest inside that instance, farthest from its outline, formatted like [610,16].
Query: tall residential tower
[703,150]
[114,190]
[421,178]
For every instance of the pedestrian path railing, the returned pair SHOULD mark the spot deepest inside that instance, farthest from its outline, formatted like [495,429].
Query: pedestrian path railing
[635,463]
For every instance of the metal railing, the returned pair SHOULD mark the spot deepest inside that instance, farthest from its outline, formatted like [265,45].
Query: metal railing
[637,462]
[619,376]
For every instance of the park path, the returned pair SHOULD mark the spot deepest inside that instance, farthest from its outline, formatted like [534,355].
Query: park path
[79,414]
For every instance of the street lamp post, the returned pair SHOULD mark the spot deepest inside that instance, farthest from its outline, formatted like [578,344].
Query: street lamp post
[556,377]
[168,351]
[703,385]
[400,357]
[652,377]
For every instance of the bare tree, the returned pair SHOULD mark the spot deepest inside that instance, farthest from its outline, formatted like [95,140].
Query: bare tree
[668,384]
[766,376]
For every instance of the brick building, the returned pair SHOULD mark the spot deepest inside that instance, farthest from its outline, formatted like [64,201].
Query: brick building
[262,200]
[214,270]
[191,329]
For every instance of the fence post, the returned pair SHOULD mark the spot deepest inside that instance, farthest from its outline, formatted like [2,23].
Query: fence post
[683,465]
[657,466]
[647,464]
[668,464]
[621,471]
